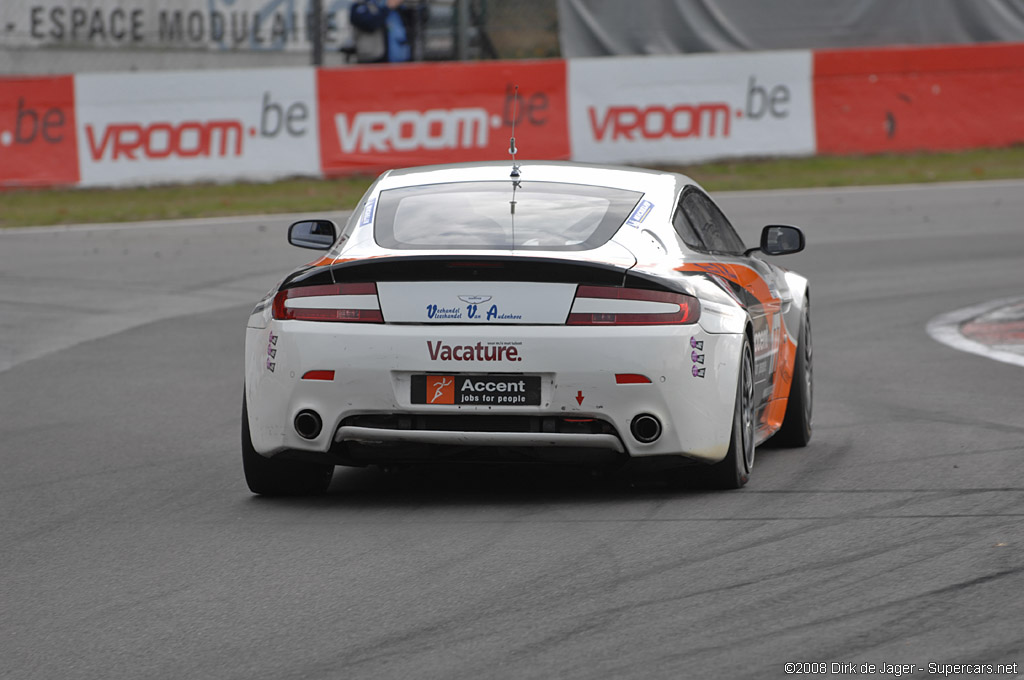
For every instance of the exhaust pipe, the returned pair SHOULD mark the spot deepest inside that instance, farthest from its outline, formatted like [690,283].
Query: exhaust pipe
[308,424]
[645,428]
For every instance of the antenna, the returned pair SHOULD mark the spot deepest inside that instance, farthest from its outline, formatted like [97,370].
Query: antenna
[512,141]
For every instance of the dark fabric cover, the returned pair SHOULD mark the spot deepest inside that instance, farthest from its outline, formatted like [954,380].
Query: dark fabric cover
[595,28]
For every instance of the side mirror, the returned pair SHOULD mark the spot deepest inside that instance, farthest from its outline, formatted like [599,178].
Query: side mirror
[315,234]
[780,239]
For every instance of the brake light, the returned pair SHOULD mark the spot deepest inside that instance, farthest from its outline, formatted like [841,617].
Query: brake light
[339,302]
[611,306]
[631,379]
[318,375]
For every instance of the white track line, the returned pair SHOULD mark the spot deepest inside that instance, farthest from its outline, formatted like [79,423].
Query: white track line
[945,328]
[877,188]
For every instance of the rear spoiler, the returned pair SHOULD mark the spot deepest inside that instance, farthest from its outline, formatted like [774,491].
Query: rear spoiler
[480,268]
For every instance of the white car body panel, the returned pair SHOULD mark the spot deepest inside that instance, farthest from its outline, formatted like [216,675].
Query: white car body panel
[373,363]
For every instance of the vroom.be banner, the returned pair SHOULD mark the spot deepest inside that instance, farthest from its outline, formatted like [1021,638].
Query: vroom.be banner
[689,108]
[372,119]
[147,128]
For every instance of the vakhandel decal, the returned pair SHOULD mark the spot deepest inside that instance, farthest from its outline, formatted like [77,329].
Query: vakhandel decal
[492,351]
[373,118]
[138,128]
[691,107]
[473,312]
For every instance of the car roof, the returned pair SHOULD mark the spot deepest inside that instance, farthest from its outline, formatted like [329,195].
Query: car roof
[656,183]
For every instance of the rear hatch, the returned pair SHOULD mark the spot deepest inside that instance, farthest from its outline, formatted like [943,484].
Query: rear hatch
[488,252]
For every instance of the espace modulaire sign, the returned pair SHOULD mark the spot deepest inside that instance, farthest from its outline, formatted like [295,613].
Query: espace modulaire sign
[147,128]
[676,109]
[237,25]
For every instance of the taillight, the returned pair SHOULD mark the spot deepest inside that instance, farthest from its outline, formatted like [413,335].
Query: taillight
[345,302]
[611,306]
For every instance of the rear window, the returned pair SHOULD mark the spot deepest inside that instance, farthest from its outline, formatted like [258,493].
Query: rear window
[501,216]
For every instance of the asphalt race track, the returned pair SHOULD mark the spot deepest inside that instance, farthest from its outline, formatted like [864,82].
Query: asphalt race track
[131,548]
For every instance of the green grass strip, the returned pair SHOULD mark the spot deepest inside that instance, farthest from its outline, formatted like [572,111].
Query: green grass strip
[32,207]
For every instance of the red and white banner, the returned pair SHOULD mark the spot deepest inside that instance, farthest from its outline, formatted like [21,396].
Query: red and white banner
[678,109]
[146,128]
[376,118]
[37,131]
[149,128]
[919,98]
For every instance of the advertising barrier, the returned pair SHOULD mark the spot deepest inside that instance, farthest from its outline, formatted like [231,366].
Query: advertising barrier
[913,99]
[377,118]
[37,131]
[121,129]
[691,108]
[151,128]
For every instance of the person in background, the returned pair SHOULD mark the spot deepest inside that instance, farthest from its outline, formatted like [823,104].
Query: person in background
[386,29]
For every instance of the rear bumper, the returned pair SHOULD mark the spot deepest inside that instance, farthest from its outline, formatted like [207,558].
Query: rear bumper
[692,388]
[374,435]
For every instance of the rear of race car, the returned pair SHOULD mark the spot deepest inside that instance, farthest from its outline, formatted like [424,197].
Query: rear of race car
[463,313]
[489,358]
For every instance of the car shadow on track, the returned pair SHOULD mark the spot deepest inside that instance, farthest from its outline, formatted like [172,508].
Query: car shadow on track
[476,484]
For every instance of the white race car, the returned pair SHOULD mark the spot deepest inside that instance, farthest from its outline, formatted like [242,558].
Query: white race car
[545,311]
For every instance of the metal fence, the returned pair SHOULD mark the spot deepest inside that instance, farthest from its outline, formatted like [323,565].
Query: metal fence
[64,36]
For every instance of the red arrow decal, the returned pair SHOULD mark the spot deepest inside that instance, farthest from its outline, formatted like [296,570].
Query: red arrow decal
[579,397]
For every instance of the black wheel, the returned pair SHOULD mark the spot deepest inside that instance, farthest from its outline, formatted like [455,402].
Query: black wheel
[273,477]
[734,470]
[796,424]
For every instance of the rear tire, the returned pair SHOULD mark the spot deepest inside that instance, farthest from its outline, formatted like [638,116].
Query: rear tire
[796,424]
[733,471]
[274,477]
